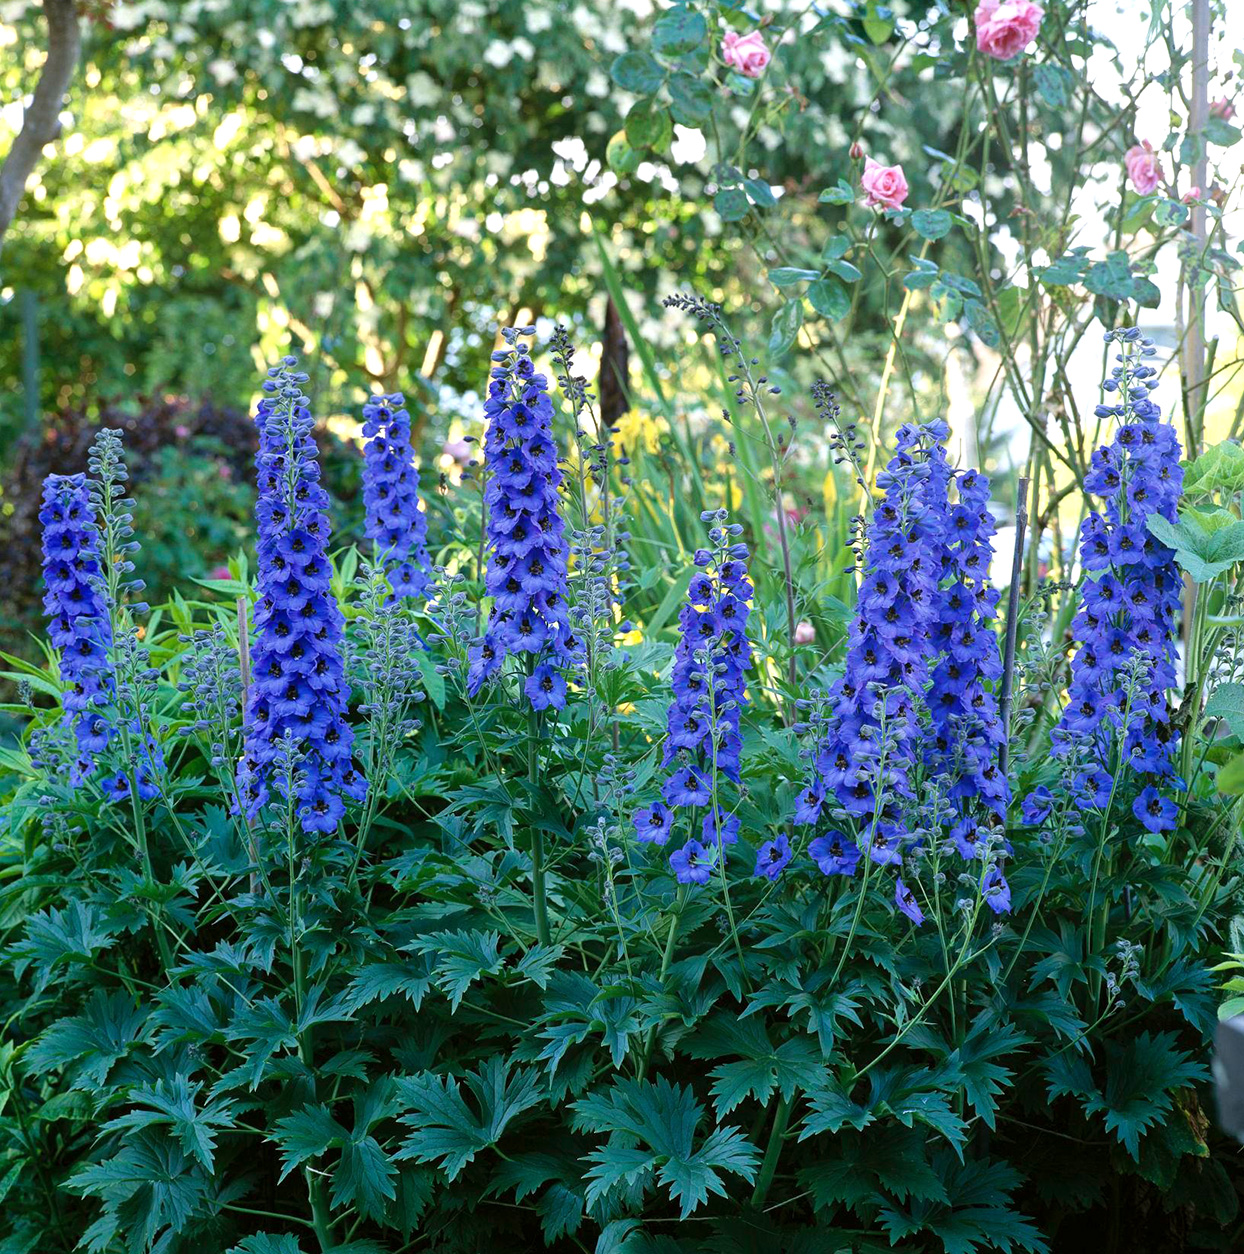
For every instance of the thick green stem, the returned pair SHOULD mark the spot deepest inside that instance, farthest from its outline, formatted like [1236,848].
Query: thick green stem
[539,893]
[666,959]
[781,1117]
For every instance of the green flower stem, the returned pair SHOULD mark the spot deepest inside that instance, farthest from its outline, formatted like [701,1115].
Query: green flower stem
[680,901]
[781,1117]
[539,892]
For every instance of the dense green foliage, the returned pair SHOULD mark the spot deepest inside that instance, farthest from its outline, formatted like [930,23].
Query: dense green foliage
[250,1037]
[231,1034]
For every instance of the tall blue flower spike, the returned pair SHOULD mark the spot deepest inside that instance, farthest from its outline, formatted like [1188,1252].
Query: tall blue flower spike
[526,545]
[395,523]
[78,623]
[1116,698]
[711,661]
[870,745]
[298,691]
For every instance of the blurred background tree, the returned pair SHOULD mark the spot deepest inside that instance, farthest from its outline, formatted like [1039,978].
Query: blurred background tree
[379,186]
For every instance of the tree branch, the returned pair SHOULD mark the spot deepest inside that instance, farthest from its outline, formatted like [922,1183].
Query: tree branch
[41,121]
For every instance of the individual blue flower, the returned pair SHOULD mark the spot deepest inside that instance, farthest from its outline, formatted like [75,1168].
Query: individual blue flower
[720,829]
[1156,812]
[1117,714]
[996,891]
[526,547]
[906,901]
[693,863]
[772,857]
[546,687]
[1037,806]
[652,824]
[298,688]
[395,523]
[78,623]
[835,854]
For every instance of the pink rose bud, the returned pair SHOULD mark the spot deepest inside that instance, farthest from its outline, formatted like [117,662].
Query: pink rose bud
[805,633]
[1004,28]
[1142,167]
[857,151]
[1192,195]
[884,184]
[745,53]
[219,572]
[1222,108]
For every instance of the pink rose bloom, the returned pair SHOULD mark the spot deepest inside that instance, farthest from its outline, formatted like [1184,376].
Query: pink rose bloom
[219,572]
[1192,195]
[1142,167]
[884,184]
[1004,28]
[805,633]
[1222,108]
[745,53]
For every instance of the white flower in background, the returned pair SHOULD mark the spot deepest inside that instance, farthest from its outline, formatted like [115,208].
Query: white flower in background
[422,89]
[498,53]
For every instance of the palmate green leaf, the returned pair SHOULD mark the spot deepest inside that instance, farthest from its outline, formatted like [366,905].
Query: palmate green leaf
[364,1176]
[652,1127]
[106,1030]
[984,1079]
[889,1161]
[460,959]
[577,1008]
[152,1180]
[561,1211]
[265,1243]
[1141,1075]
[762,1069]
[448,1131]
[831,1110]
[268,1027]
[379,980]
[619,1236]
[171,1104]
[1219,469]
[977,1215]
[59,938]
[818,1011]
[304,1135]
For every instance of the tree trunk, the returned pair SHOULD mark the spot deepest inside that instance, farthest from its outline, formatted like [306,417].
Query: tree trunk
[41,121]
[615,356]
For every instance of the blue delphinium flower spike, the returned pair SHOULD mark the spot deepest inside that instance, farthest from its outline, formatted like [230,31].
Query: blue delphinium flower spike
[298,691]
[709,685]
[395,523]
[870,743]
[1116,698]
[963,755]
[78,623]
[526,546]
